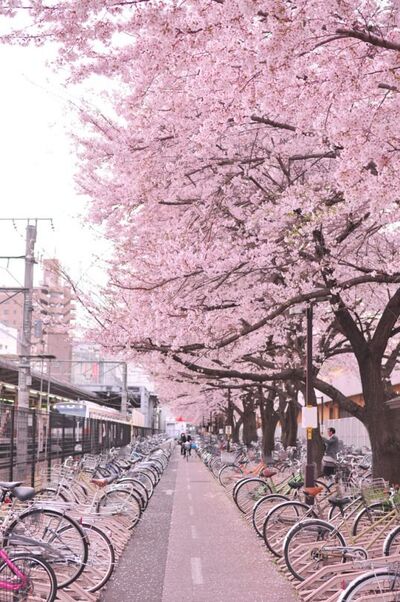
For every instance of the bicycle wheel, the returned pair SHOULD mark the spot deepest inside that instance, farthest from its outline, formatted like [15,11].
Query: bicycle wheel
[238,484]
[391,544]
[371,514]
[280,520]
[40,531]
[101,559]
[51,495]
[311,544]
[143,478]
[229,474]
[215,466]
[41,583]
[249,492]
[120,501]
[139,488]
[262,507]
[379,584]
[151,473]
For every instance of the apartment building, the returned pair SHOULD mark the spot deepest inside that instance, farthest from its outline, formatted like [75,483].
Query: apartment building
[53,314]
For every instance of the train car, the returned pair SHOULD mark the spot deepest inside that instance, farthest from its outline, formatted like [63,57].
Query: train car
[89,409]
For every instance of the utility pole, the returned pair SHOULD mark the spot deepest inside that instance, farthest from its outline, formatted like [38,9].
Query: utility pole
[24,370]
[124,392]
[24,373]
[310,466]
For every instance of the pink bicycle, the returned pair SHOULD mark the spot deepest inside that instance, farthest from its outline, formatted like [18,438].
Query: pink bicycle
[26,578]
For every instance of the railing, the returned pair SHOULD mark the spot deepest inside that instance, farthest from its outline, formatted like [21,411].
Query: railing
[31,442]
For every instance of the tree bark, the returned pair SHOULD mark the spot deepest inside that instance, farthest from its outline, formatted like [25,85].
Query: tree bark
[289,425]
[236,430]
[249,419]
[249,426]
[383,424]
[269,421]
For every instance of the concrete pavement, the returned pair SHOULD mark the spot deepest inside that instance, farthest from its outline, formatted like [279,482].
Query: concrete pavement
[193,545]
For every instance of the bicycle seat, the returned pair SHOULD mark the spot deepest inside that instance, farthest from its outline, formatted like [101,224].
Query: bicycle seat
[23,494]
[339,502]
[313,491]
[9,484]
[102,482]
[268,473]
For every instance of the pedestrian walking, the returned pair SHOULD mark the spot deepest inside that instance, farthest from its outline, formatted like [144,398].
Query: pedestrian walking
[187,448]
[182,443]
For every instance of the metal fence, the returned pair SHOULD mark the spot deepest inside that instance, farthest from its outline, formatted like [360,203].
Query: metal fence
[350,431]
[32,442]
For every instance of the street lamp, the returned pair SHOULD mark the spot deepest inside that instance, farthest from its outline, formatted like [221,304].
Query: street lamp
[310,421]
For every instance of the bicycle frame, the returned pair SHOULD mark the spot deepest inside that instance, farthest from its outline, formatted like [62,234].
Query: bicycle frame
[7,585]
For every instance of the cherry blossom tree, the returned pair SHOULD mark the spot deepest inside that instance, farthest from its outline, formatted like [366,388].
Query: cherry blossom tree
[247,162]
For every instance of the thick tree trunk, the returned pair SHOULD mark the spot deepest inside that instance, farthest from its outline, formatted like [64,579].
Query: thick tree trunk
[269,421]
[268,436]
[383,424]
[236,431]
[289,425]
[292,422]
[249,426]
[384,431]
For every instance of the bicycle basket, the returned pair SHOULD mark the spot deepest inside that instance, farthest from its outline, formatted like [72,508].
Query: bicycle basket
[296,482]
[228,457]
[395,499]
[375,491]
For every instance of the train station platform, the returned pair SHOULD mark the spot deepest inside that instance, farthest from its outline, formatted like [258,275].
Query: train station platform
[194,545]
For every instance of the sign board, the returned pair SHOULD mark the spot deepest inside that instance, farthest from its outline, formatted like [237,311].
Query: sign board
[309,417]
[221,431]
[228,430]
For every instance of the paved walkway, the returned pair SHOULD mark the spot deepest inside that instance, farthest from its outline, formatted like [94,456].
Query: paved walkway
[193,545]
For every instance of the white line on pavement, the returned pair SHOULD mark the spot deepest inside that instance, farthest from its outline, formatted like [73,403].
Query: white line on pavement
[194,532]
[169,491]
[197,575]
[191,511]
[189,497]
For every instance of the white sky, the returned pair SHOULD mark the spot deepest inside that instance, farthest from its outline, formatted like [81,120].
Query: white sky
[37,176]
[37,169]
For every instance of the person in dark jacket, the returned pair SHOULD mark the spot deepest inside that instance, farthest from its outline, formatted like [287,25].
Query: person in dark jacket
[329,461]
[182,442]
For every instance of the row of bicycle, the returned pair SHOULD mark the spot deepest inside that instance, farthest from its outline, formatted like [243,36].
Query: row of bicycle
[70,532]
[324,537]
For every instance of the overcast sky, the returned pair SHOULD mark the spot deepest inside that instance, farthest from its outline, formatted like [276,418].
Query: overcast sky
[37,168]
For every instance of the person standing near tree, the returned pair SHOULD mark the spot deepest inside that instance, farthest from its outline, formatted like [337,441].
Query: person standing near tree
[329,460]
